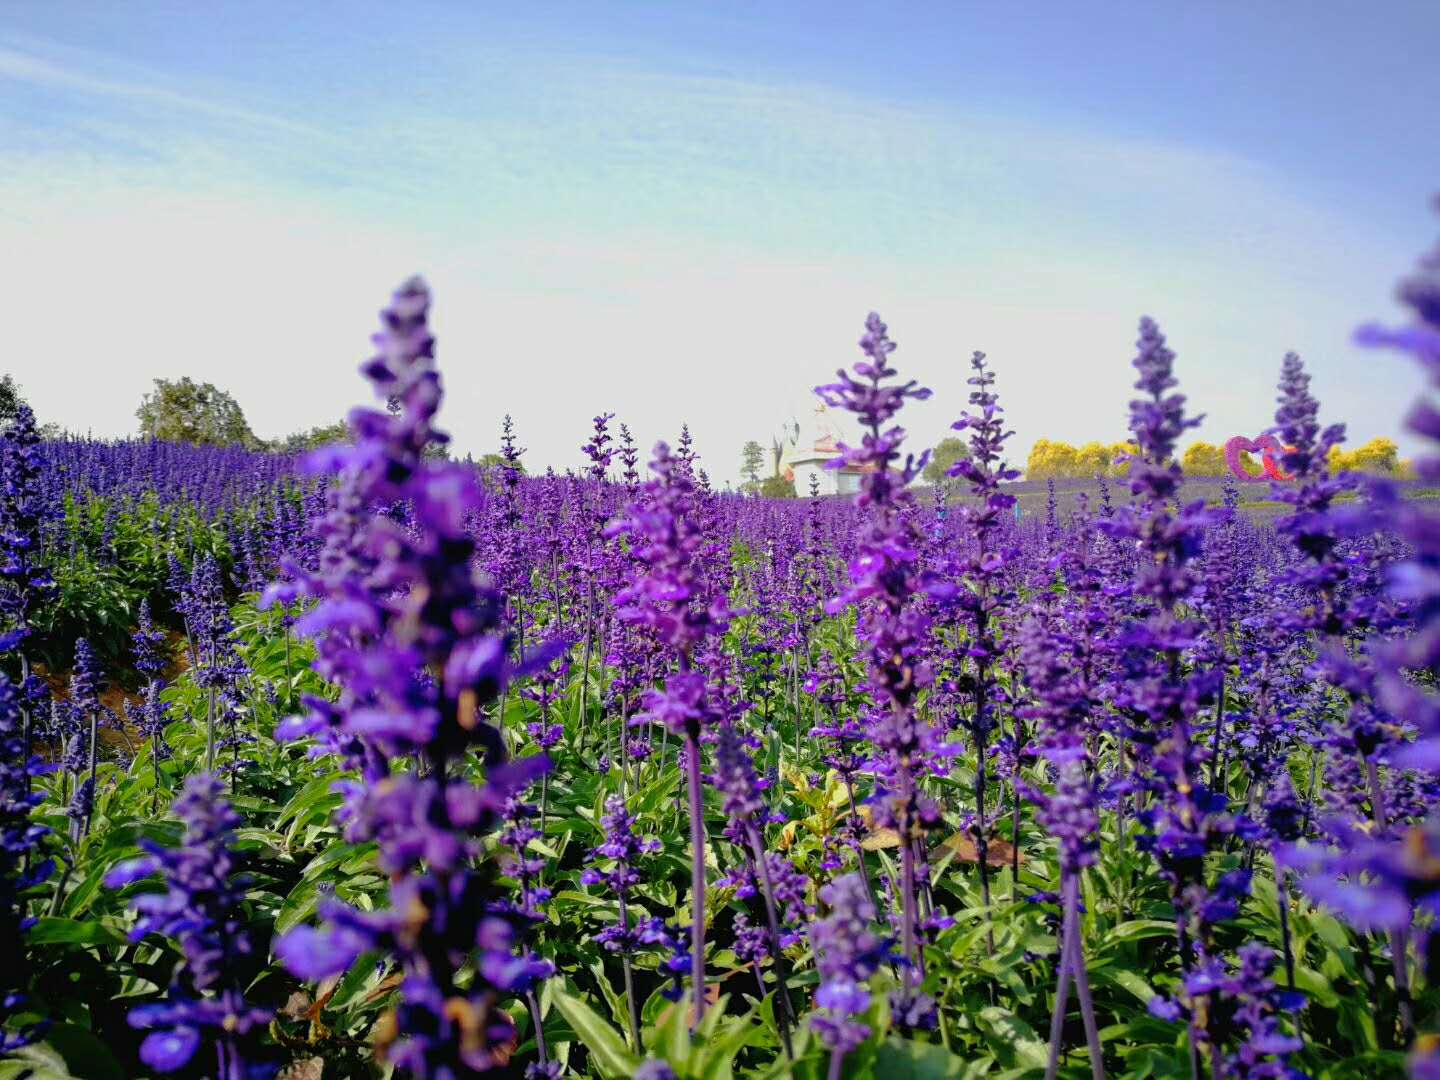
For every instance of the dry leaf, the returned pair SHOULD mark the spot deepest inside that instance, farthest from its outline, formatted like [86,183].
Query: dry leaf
[998,853]
[309,1069]
[880,839]
[504,1052]
[297,1007]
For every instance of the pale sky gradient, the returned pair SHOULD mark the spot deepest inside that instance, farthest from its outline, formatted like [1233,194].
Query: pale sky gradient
[684,211]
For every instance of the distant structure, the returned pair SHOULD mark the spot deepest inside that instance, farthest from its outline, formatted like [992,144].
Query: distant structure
[801,453]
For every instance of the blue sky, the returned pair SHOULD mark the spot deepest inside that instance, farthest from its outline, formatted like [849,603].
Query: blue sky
[682,212]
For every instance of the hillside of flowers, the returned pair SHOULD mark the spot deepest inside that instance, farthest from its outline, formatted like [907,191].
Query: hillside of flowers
[371,763]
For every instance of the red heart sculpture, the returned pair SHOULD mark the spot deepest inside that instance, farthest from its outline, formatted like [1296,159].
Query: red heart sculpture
[1269,448]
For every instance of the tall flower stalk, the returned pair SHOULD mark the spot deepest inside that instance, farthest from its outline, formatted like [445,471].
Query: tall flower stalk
[85,702]
[1059,667]
[24,580]
[740,788]
[148,644]
[1161,695]
[621,850]
[675,601]
[847,953]
[202,910]
[885,586]
[415,638]
[980,591]
[20,866]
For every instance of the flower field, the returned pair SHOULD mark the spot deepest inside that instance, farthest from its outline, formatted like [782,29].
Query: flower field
[372,763]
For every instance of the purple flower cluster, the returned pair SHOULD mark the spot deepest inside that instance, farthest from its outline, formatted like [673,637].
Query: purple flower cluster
[22,864]
[414,637]
[847,953]
[201,910]
[885,584]
[674,600]
[24,580]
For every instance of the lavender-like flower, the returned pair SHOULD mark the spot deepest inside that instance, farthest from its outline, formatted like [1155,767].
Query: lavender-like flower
[418,647]
[1387,877]
[740,789]
[884,583]
[24,580]
[1060,666]
[85,704]
[847,953]
[621,850]
[674,600]
[1159,697]
[975,584]
[202,910]
[22,865]
[148,644]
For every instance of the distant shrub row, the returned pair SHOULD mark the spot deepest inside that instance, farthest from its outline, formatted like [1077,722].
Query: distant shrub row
[1057,460]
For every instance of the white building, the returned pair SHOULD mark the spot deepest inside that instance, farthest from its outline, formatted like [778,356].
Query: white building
[805,453]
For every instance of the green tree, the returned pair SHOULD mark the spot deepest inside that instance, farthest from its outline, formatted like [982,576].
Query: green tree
[495,461]
[777,487]
[323,435]
[1379,455]
[1204,459]
[10,399]
[183,410]
[947,452]
[752,458]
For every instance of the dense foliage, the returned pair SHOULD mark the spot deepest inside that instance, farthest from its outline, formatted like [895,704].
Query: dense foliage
[373,763]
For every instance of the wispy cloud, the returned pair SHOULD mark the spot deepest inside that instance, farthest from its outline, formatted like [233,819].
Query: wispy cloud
[600,229]
[27,67]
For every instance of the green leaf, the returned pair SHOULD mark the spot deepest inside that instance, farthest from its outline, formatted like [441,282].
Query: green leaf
[332,856]
[718,1056]
[38,1062]
[308,797]
[361,977]
[671,1037]
[1317,986]
[1137,929]
[904,1060]
[1127,980]
[84,1053]
[298,907]
[1016,1038]
[50,930]
[607,1049]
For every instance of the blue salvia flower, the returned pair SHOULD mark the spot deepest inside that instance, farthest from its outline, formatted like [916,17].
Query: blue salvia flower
[85,705]
[1389,878]
[201,910]
[847,953]
[674,599]
[885,586]
[24,581]
[1160,695]
[740,788]
[148,644]
[418,647]
[975,584]
[613,864]
[21,863]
